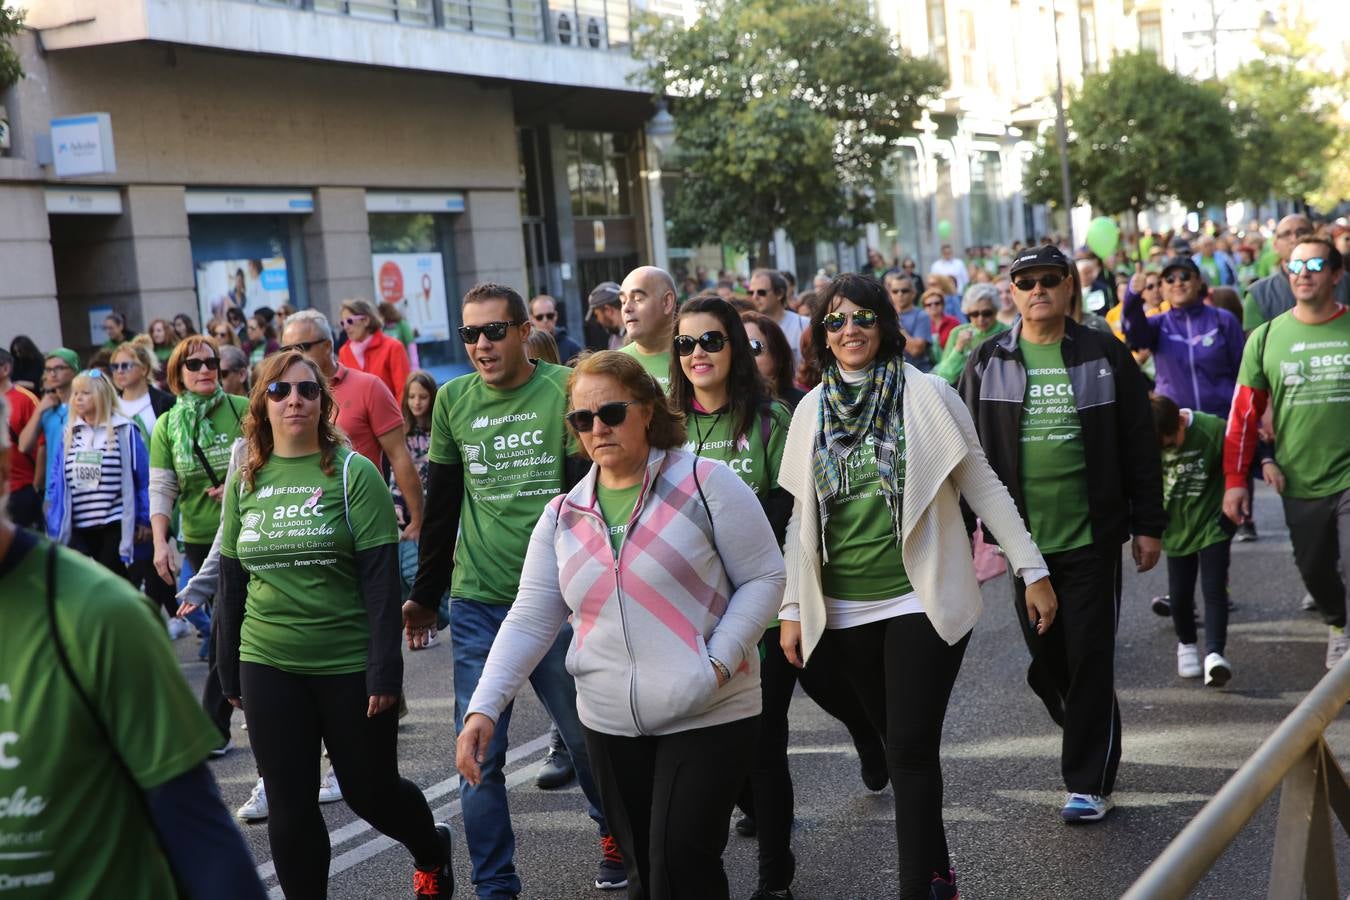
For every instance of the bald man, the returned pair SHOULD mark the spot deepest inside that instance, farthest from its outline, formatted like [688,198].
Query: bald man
[647,301]
[1268,297]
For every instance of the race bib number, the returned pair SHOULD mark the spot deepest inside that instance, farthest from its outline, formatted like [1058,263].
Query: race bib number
[88,470]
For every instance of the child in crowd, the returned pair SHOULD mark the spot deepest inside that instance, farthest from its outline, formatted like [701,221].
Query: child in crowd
[1198,535]
[419,391]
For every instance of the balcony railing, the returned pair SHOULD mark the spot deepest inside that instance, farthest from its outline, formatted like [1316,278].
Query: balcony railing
[584,24]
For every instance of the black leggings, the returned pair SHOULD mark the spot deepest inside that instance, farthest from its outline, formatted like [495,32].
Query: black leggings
[667,799]
[213,698]
[288,715]
[143,576]
[100,544]
[770,799]
[903,673]
[1212,564]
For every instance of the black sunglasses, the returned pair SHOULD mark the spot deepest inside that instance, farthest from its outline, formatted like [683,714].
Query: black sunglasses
[1182,277]
[756,347]
[711,341]
[303,346]
[835,321]
[982,314]
[1045,281]
[195,365]
[545,317]
[761,292]
[280,390]
[612,414]
[122,366]
[495,331]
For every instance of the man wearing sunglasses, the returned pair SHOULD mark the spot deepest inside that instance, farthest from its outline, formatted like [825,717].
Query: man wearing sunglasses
[499,452]
[1299,363]
[544,316]
[47,428]
[769,293]
[1268,297]
[1197,348]
[1064,417]
[648,296]
[915,325]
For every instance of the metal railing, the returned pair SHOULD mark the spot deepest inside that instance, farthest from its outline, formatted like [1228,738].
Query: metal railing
[584,24]
[1295,758]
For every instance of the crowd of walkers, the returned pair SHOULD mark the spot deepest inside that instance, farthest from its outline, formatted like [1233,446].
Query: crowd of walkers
[715,493]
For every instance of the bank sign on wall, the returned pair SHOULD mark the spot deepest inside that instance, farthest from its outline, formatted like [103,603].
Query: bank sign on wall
[415,283]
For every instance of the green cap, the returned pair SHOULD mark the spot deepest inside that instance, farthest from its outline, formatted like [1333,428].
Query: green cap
[67,356]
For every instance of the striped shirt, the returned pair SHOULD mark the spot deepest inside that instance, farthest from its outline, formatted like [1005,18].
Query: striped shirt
[93,477]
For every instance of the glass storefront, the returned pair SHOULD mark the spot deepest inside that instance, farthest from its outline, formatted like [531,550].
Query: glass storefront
[986,198]
[246,261]
[413,266]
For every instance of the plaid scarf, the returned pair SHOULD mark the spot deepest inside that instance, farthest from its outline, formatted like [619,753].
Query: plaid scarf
[843,426]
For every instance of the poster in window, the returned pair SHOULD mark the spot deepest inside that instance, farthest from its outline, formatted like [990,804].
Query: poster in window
[245,284]
[415,284]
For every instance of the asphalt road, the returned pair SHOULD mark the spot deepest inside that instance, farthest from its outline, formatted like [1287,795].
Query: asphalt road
[1181,742]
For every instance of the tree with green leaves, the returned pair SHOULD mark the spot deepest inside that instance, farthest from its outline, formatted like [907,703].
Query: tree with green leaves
[785,111]
[11,23]
[1139,135]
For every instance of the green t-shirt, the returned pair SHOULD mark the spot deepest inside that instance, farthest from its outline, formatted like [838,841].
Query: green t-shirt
[512,445]
[616,506]
[1251,312]
[200,514]
[1054,466]
[71,824]
[297,539]
[1193,488]
[747,454]
[656,364]
[1306,369]
[1210,269]
[864,561]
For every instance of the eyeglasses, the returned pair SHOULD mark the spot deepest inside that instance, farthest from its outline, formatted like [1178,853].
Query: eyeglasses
[544,317]
[195,365]
[122,367]
[710,341]
[303,346]
[1045,281]
[1314,264]
[52,370]
[1302,232]
[280,390]
[1177,277]
[612,414]
[349,321]
[756,347]
[835,321]
[495,331]
[982,314]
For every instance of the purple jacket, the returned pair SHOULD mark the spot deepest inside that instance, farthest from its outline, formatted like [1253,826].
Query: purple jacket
[1197,350]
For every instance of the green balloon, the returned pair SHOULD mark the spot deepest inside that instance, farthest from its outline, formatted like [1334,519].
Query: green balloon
[1103,236]
[944,229]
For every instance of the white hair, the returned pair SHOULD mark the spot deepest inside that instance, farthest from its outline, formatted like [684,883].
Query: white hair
[978,293]
[316,318]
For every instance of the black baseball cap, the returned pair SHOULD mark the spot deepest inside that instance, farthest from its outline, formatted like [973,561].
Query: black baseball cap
[1046,255]
[603,294]
[1180,262]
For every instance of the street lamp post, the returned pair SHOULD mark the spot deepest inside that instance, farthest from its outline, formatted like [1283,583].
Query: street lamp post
[660,140]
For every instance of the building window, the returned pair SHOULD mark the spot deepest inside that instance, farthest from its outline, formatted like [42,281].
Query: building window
[1150,32]
[597,173]
[937,32]
[901,213]
[1087,35]
[986,197]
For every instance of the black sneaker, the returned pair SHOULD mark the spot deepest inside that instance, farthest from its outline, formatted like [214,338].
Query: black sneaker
[612,874]
[1161,606]
[556,772]
[872,762]
[1246,532]
[746,827]
[439,882]
[764,893]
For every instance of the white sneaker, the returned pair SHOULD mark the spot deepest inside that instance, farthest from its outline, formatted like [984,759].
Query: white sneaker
[1308,604]
[1188,661]
[255,808]
[1337,644]
[329,790]
[1217,670]
[178,629]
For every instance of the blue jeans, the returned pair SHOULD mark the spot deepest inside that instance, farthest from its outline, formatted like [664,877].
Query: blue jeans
[487,819]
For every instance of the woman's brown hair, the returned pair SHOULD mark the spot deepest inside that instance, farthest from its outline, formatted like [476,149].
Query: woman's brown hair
[258,426]
[666,430]
[186,347]
[363,308]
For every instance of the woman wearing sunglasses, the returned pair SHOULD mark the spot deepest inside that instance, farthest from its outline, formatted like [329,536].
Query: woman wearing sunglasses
[880,576]
[981,307]
[369,349]
[310,624]
[940,323]
[189,457]
[773,357]
[1197,348]
[670,585]
[222,332]
[732,418]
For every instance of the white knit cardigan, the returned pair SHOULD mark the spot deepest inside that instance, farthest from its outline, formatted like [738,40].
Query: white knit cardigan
[943,462]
